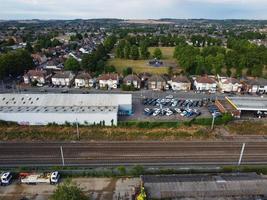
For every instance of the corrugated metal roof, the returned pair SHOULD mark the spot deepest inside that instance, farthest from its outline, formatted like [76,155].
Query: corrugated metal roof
[58,109]
[64,100]
[249,103]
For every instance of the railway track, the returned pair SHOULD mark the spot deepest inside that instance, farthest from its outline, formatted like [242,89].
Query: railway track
[131,153]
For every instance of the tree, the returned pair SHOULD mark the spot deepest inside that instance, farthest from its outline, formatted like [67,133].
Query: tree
[144,50]
[157,53]
[135,52]
[110,69]
[127,50]
[15,63]
[68,191]
[72,64]
[29,47]
[127,71]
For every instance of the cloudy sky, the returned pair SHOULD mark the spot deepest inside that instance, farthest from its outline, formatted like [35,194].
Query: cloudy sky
[133,9]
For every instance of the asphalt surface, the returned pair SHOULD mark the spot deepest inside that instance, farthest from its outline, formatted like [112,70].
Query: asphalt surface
[131,153]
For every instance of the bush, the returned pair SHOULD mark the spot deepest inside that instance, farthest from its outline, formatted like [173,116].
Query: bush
[226,118]
[137,170]
[125,87]
[122,170]
[149,125]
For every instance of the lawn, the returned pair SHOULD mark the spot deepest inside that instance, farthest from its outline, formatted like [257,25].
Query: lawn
[166,51]
[140,66]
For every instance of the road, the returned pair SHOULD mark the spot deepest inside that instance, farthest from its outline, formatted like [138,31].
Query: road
[131,153]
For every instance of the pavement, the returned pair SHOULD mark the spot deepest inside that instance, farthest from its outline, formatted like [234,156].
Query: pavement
[131,153]
[95,188]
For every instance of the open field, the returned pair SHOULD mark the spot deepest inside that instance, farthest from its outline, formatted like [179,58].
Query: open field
[140,66]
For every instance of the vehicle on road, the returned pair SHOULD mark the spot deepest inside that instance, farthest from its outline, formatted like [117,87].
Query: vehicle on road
[35,178]
[6,178]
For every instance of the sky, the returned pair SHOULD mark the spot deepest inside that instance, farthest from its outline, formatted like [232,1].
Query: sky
[133,9]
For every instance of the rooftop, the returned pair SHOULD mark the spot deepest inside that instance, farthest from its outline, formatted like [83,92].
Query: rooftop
[61,102]
[249,103]
[204,186]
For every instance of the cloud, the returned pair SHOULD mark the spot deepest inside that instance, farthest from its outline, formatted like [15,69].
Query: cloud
[69,9]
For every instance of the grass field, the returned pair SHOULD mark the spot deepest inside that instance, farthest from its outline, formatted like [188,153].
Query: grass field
[166,51]
[140,66]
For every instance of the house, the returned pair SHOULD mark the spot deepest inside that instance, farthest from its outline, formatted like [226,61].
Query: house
[205,83]
[40,76]
[157,82]
[227,84]
[132,80]
[64,78]
[111,81]
[84,79]
[144,77]
[180,83]
[254,85]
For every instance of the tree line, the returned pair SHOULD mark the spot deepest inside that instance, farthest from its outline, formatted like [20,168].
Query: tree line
[240,55]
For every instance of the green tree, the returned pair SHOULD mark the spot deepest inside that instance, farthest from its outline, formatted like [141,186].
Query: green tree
[135,52]
[257,70]
[15,63]
[127,50]
[144,50]
[29,47]
[157,53]
[72,64]
[68,191]
[127,71]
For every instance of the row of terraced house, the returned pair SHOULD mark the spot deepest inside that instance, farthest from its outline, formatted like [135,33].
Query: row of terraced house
[147,81]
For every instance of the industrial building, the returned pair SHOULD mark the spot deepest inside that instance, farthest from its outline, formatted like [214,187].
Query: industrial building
[245,186]
[242,106]
[42,109]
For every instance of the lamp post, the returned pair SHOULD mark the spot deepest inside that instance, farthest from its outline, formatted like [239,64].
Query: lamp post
[213,121]
[77,129]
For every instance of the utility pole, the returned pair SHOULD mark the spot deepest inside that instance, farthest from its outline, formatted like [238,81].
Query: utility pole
[77,129]
[241,154]
[213,121]
[62,156]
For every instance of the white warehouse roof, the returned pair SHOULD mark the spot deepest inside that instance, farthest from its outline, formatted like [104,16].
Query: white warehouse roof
[41,109]
[249,103]
[67,100]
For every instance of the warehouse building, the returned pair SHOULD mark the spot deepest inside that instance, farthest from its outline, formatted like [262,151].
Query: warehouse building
[42,109]
[245,186]
[243,106]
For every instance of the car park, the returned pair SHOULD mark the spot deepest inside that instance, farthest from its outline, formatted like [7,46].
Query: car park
[156,112]
[173,106]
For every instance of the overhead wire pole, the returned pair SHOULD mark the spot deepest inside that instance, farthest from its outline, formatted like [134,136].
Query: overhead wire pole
[241,154]
[213,121]
[77,129]
[62,156]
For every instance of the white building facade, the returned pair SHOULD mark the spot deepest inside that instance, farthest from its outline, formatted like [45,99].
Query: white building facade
[63,78]
[42,109]
[205,84]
